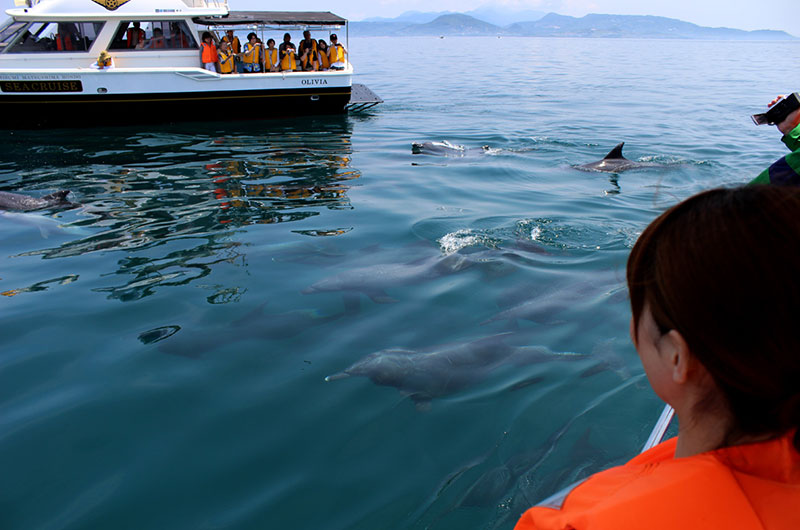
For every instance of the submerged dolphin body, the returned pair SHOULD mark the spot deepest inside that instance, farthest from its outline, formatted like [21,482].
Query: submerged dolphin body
[15,201]
[373,280]
[445,148]
[440,370]
[614,162]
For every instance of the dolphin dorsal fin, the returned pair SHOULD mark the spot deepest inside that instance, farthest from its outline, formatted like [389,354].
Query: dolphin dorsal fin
[615,153]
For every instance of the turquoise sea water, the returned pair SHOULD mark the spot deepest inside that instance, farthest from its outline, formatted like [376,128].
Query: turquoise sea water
[164,346]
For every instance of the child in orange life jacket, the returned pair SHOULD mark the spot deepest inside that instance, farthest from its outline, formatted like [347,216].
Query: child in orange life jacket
[208,53]
[715,297]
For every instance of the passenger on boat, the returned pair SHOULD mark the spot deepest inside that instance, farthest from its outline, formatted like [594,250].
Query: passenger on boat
[235,47]
[226,59]
[157,41]
[715,297]
[337,54]
[134,35]
[233,41]
[178,38]
[786,170]
[208,53]
[308,52]
[272,63]
[251,56]
[322,55]
[288,54]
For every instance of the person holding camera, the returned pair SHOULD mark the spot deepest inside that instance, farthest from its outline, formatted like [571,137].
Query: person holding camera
[784,113]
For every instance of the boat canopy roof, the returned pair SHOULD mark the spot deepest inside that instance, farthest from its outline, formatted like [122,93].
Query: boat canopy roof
[117,9]
[274,18]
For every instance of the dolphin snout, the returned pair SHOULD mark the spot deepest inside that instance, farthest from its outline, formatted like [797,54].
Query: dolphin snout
[340,375]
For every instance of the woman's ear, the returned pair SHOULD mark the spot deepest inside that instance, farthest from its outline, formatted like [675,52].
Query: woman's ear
[680,359]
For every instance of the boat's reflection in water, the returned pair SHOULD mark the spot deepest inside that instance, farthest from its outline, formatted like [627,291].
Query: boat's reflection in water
[171,197]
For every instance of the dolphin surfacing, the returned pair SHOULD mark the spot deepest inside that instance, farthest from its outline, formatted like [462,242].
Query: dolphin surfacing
[16,201]
[445,148]
[613,162]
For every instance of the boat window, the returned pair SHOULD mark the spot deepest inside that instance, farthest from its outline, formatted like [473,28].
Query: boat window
[57,37]
[9,31]
[153,35]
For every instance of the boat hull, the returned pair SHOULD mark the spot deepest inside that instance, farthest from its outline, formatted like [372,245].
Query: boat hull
[34,111]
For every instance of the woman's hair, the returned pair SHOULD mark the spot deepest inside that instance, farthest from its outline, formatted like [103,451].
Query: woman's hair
[723,269]
[206,35]
[270,40]
[251,35]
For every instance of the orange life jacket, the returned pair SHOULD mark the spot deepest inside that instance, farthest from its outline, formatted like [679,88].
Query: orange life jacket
[745,487]
[63,42]
[209,53]
[135,35]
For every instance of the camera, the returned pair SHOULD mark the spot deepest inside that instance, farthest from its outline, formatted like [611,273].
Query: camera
[778,112]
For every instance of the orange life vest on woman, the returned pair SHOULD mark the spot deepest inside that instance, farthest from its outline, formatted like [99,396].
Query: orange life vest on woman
[746,487]
[209,53]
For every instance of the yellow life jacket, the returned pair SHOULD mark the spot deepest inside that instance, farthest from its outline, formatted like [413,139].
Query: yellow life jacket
[336,53]
[310,54]
[225,61]
[251,54]
[324,62]
[288,61]
[271,56]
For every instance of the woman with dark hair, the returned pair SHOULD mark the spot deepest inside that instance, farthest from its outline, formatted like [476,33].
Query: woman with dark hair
[715,298]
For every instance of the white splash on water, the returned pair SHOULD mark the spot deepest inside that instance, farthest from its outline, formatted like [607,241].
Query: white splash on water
[455,241]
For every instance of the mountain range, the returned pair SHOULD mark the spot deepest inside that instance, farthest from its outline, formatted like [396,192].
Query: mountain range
[490,21]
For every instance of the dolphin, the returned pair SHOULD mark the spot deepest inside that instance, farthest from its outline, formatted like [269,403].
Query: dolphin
[614,162]
[445,148]
[15,201]
[373,280]
[445,369]
[257,325]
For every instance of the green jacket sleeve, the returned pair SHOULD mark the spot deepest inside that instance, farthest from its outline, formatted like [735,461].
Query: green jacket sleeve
[786,170]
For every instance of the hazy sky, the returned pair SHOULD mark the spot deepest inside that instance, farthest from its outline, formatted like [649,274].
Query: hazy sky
[740,14]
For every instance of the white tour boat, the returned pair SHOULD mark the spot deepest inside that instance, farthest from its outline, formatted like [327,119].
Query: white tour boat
[49,73]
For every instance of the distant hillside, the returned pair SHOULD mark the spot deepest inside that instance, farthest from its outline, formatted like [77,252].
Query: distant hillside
[555,25]
[455,24]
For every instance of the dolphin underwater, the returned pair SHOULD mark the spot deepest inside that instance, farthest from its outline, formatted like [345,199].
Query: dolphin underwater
[441,370]
[614,162]
[15,201]
[373,280]
[445,148]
